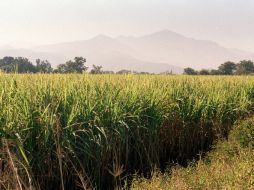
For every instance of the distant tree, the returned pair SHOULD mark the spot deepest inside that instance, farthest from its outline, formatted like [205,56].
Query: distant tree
[23,65]
[204,72]
[75,66]
[18,64]
[6,61]
[7,64]
[134,72]
[227,68]
[167,72]
[245,67]
[144,73]
[190,71]
[108,72]
[43,66]
[215,72]
[123,72]
[96,70]
[61,68]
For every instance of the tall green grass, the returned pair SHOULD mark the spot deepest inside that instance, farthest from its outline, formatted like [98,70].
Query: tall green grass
[84,131]
[229,165]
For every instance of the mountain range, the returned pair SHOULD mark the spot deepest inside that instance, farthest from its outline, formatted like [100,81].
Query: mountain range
[157,52]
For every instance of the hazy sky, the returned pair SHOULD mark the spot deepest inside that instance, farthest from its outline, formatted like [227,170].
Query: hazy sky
[32,22]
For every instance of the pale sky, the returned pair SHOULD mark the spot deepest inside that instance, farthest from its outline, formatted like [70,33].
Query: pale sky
[35,22]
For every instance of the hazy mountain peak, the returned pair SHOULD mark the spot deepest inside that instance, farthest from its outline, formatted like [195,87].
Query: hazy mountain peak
[102,37]
[165,34]
[125,37]
[157,52]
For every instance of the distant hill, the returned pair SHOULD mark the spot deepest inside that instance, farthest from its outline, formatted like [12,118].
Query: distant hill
[158,52]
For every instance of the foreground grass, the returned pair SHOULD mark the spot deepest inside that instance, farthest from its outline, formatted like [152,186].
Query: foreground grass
[230,165]
[83,131]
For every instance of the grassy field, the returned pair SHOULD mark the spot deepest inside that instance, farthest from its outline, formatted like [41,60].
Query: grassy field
[94,131]
[228,166]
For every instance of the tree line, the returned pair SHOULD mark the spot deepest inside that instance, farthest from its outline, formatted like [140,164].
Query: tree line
[77,65]
[244,67]
[23,65]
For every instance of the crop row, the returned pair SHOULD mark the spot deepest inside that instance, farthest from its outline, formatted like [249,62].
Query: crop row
[94,131]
